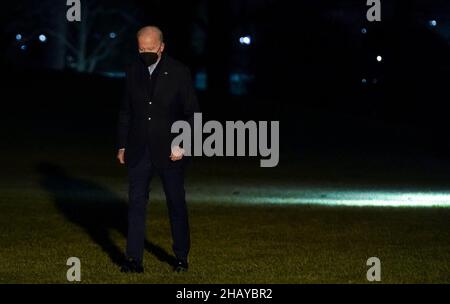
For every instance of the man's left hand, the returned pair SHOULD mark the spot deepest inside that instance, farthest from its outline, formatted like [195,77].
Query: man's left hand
[177,153]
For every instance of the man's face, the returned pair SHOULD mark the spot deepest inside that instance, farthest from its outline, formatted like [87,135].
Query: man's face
[150,42]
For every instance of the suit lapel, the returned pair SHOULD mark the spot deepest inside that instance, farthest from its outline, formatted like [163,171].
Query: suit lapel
[143,78]
[161,74]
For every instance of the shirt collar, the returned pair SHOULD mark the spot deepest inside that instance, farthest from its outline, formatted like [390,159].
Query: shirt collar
[152,67]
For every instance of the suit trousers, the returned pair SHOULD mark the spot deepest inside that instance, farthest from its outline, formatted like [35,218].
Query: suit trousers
[139,177]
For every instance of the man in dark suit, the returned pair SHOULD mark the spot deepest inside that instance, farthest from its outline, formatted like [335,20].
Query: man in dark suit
[158,92]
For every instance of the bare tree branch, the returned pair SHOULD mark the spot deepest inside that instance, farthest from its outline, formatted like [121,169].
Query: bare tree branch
[78,39]
[106,43]
[63,38]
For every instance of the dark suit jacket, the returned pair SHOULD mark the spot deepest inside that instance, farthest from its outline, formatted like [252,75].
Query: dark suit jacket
[172,98]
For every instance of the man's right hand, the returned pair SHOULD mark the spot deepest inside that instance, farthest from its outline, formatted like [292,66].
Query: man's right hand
[121,156]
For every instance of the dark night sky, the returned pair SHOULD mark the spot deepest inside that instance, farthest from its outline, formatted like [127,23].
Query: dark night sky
[308,61]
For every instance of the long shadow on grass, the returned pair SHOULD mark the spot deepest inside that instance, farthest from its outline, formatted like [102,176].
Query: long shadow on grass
[94,208]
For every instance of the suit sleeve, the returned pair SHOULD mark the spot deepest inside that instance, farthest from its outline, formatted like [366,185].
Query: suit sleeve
[124,115]
[190,102]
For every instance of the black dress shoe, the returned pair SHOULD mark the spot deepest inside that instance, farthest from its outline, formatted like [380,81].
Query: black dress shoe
[130,265]
[181,266]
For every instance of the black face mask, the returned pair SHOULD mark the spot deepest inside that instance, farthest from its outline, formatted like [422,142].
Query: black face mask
[149,58]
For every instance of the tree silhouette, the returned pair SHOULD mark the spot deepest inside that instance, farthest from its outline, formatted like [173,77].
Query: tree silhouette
[82,45]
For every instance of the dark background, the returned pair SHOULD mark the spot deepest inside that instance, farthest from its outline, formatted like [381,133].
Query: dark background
[354,132]
[310,64]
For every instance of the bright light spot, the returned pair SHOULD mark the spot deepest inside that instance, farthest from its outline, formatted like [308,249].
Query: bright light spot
[245,40]
[42,38]
[329,196]
[18,37]
[370,199]
[379,58]
[112,35]
[23,47]
[364,30]
[432,23]
[364,80]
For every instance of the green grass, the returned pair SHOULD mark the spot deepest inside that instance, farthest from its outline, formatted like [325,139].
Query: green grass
[45,220]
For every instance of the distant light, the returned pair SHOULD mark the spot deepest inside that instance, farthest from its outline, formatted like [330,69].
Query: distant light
[379,58]
[42,38]
[239,82]
[364,80]
[18,37]
[23,47]
[245,40]
[112,35]
[201,80]
[364,30]
[432,23]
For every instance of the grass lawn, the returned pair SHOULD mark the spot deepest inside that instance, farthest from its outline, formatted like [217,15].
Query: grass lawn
[55,204]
